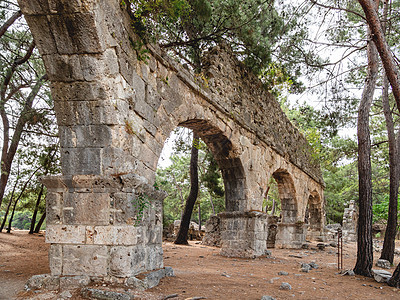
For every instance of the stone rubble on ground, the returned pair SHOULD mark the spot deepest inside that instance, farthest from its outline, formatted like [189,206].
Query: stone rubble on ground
[348,273]
[381,276]
[283,273]
[267,298]
[285,286]
[383,263]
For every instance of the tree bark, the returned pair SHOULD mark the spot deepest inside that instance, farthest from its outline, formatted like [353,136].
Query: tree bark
[194,190]
[395,279]
[364,238]
[39,224]
[391,227]
[379,39]
[39,198]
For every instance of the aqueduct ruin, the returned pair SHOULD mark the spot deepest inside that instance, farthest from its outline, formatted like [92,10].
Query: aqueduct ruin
[115,110]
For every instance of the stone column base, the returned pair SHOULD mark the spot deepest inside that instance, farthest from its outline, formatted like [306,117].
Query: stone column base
[54,282]
[243,234]
[291,236]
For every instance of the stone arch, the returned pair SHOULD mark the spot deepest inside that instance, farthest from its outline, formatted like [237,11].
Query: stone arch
[314,216]
[228,161]
[287,195]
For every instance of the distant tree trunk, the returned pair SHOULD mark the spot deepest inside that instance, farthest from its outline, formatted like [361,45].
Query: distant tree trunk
[12,216]
[391,227]
[199,218]
[19,197]
[39,198]
[6,215]
[395,279]
[212,205]
[194,190]
[364,237]
[39,224]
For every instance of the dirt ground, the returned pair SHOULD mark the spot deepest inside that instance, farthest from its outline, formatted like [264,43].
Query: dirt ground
[201,272]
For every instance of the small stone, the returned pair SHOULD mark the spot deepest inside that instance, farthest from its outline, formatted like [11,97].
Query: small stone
[333,244]
[383,263]
[273,279]
[321,246]
[267,298]
[65,295]
[285,286]
[313,265]
[381,275]
[267,253]
[283,273]
[348,273]
[305,267]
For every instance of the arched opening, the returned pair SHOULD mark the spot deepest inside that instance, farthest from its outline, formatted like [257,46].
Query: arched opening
[216,156]
[227,158]
[291,232]
[313,216]
[287,195]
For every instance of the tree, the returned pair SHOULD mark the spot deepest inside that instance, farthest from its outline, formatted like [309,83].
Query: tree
[394,164]
[20,84]
[364,235]
[194,189]
[382,46]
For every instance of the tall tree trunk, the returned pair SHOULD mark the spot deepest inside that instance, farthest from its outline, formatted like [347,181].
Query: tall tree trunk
[39,198]
[194,190]
[382,46]
[39,224]
[391,227]
[364,237]
[395,279]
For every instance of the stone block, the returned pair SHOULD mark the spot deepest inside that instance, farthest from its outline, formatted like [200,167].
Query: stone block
[86,208]
[90,260]
[73,282]
[124,208]
[68,6]
[121,261]
[65,68]
[65,234]
[91,293]
[86,136]
[43,281]
[98,66]
[34,7]
[139,260]
[116,235]
[81,160]
[81,91]
[55,259]
[53,208]
[76,33]
[40,29]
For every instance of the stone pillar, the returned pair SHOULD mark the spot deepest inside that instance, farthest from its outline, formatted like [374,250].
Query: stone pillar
[350,219]
[96,228]
[291,235]
[243,234]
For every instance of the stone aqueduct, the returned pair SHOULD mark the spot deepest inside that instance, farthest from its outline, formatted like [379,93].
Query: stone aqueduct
[115,110]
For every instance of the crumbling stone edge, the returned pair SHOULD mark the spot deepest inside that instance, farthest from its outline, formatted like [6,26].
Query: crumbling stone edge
[52,282]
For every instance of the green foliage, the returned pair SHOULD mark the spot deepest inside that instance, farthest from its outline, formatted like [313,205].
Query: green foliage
[141,203]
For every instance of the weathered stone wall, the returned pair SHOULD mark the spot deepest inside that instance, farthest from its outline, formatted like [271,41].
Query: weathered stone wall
[94,229]
[115,110]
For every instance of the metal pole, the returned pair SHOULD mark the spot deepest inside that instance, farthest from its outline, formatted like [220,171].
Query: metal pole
[340,249]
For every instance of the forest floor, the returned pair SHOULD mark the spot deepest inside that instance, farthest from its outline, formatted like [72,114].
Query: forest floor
[201,272]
